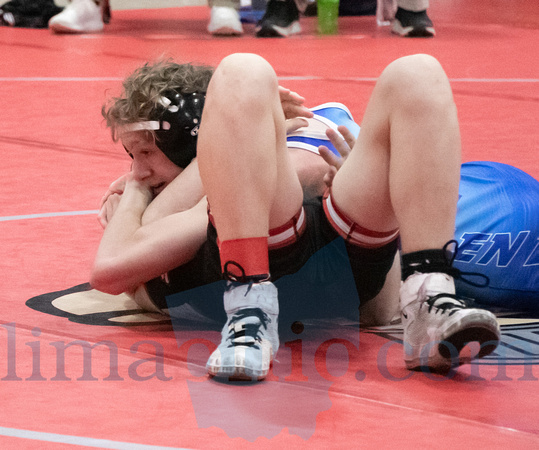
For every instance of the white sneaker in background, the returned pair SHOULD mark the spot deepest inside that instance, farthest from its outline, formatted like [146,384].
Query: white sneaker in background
[80,16]
[225,21]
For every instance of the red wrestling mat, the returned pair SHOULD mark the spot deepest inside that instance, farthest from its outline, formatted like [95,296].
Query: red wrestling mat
[73,373]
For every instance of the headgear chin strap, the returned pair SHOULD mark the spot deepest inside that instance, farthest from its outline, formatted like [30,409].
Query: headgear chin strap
[176,121]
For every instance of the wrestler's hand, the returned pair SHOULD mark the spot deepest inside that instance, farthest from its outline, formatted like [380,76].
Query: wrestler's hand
[343,146]
[108,208]
[294,124]
[116,187]
[292,104]
[134,193]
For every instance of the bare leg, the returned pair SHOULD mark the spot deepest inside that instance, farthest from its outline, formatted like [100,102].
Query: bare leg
[243,159]
[404,172]
[385,306]
[251,187]
[404,169]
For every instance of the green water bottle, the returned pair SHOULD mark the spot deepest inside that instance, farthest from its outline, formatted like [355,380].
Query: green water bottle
[328,16]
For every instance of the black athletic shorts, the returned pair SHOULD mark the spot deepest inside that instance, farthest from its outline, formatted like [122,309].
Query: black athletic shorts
[319,275]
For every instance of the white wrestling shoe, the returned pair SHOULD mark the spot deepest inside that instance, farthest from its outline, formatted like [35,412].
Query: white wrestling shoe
[438,325]
[225,21]
[80,16]
[250,338]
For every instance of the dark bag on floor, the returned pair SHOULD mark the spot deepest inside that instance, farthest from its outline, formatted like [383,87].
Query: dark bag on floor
[28,13]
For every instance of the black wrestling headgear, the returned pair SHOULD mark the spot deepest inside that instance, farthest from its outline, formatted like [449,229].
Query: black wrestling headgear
[179,120]
[175,120]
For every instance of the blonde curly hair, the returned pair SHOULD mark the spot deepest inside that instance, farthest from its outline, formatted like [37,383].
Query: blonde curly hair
[144,87]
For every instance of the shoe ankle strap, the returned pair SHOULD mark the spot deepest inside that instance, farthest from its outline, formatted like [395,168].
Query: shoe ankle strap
[440,261]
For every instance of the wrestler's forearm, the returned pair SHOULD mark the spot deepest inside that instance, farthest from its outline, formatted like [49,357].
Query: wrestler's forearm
[183,193]
[118,238]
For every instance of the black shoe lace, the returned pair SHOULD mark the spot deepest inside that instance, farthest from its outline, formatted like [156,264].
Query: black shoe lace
[458,302]
[228,274]
[448,306]
[458,274]
[236,335]
[429,261]
[243,278]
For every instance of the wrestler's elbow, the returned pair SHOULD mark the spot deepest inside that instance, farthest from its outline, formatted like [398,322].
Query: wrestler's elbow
[106,278]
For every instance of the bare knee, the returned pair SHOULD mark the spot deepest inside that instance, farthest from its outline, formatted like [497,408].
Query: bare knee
[243,75]
[409,69]
[417,81]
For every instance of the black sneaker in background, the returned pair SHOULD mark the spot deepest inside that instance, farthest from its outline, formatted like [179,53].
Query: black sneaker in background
[412,24]
[280,20]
